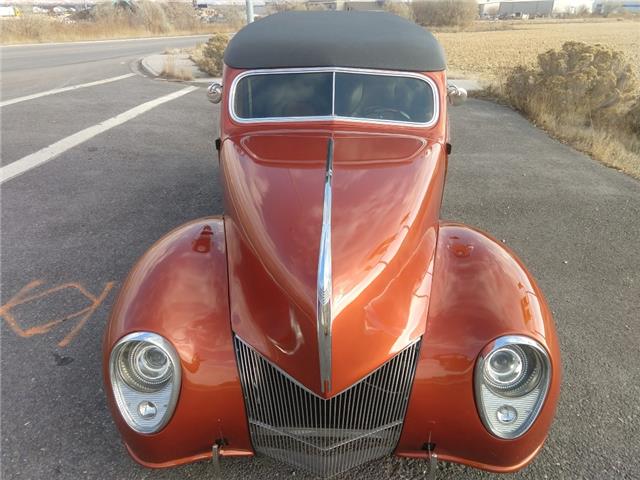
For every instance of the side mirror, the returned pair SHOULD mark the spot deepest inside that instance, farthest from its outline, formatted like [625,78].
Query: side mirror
[214,93]
[457,95]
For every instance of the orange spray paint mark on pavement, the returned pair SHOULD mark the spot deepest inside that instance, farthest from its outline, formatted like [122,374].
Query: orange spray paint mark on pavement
[25,295]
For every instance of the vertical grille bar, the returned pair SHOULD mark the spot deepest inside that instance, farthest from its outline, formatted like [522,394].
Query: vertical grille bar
[325,436]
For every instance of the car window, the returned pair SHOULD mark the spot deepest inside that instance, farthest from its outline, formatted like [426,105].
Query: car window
[284,95]
[365,96]
[383,97]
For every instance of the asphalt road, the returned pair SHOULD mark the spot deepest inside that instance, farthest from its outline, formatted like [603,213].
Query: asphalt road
[72,228]
[28,69]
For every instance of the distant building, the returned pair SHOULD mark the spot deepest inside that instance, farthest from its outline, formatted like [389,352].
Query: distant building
[8,11]
[364,5]
[544,8]
[505,8]
[572,7]
[611,6]
[376,5]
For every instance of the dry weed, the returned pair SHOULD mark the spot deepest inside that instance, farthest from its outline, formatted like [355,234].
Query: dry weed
[209,57]
[445,13]
[105,21]
[172,71]
[401,9]
[585,95]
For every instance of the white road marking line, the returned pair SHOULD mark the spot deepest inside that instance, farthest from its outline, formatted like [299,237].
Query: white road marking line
[64,89]
[42,156]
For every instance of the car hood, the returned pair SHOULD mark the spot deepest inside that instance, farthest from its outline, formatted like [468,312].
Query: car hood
[386,198]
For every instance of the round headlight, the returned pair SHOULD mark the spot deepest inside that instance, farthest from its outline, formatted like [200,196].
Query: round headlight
[505,367]
[512,370]
[511,382]
[145,377]
[144,366]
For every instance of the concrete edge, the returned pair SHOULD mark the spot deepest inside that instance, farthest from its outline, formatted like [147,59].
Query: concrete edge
[145,68]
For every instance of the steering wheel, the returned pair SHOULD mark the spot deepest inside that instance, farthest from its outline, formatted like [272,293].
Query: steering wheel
[380,113]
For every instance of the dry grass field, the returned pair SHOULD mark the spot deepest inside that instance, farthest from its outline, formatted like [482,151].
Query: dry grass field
[42,30]
[492,54]
[603,122]
[105,21]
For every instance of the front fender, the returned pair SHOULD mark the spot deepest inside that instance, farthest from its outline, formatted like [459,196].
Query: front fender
[179,289]
[481,291]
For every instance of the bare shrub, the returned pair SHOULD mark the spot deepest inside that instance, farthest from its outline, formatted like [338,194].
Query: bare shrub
[211,58]
[586,94]
[400,8]
[152,17]
[589,83]
[181,16]
[169,67]
[583,12]
[445,13]
[633,118]
[173,71]
[35,27]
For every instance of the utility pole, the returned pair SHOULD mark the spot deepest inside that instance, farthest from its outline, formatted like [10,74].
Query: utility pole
[249,11]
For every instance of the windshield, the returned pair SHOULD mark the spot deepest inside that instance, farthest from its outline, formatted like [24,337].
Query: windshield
[327,94]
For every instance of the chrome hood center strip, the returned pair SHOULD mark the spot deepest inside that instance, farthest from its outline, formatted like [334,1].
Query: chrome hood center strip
[325,279]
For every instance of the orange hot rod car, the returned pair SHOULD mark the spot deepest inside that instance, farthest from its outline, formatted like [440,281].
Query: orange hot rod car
[330,317]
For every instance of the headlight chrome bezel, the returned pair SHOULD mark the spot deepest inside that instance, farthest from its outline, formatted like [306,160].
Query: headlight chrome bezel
[530,399]
[123,390]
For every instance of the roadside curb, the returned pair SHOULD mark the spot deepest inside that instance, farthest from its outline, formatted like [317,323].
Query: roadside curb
[144,68]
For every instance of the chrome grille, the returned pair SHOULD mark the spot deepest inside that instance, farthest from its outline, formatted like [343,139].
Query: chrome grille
[325,436]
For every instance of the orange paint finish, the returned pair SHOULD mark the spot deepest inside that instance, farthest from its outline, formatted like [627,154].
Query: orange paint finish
[179,290]
[384,228]
[481,291]
[223,452]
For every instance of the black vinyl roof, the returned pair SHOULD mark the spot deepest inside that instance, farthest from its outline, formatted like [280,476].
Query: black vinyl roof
[374,40]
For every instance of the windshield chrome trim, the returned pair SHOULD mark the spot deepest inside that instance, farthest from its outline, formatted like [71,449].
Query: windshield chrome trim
[333,117]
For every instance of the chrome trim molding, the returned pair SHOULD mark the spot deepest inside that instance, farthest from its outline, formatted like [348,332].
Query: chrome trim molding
[333,117]
[539,394]
[290,423]
[116,382]
[325,279]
